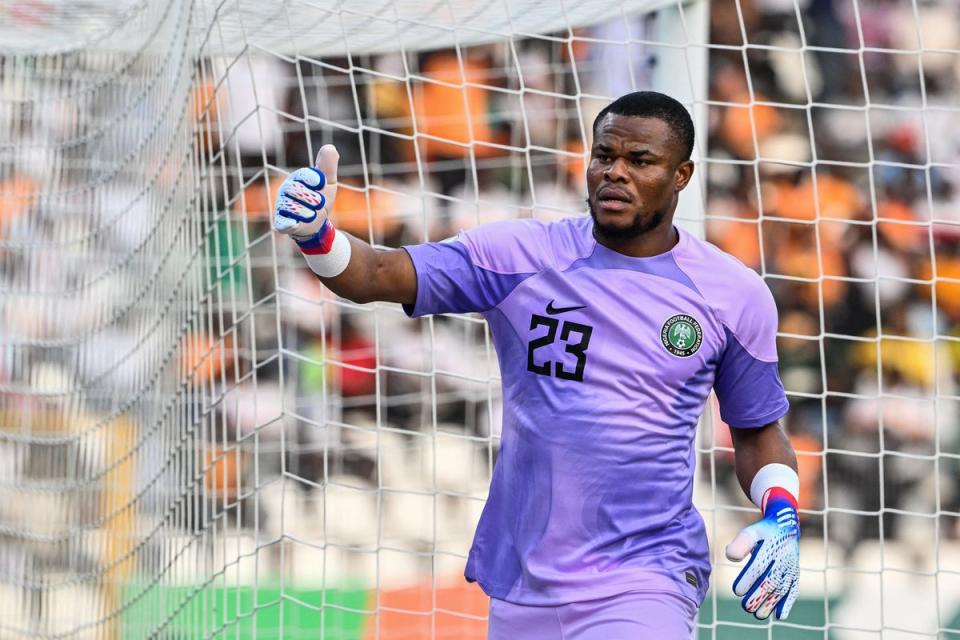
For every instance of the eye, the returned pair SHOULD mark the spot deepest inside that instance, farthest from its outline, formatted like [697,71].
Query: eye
[639,162]
[602,157]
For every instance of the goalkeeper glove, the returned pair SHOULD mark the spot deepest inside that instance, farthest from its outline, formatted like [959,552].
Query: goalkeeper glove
[770,580]
[302,212]
[306,197]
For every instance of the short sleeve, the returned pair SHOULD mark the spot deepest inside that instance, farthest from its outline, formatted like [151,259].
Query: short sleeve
[449,281]
[748,383]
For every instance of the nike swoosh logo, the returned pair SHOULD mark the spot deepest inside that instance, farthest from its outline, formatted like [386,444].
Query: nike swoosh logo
[552,310]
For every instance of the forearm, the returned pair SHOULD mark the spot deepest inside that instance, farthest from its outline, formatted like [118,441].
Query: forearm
[756,448]
[373,275]
[349,267]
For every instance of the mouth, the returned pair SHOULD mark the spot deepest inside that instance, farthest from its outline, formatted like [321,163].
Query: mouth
[613,200]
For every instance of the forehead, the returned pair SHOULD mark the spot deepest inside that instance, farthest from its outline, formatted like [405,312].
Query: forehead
[651,133]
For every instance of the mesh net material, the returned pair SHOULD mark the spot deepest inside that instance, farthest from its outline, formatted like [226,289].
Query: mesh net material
[199,441]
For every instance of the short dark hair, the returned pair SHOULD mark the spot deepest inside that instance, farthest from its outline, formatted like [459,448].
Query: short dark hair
[652,104]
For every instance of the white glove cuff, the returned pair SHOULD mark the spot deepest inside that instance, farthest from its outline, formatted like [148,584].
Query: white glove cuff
[332,263]
[774,475]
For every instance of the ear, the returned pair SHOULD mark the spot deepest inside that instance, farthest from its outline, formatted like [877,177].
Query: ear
[682,175]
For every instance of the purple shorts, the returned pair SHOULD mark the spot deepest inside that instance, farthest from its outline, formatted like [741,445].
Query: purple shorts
[660,615]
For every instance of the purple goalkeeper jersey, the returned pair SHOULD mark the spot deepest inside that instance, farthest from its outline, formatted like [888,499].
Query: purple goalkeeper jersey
[606,361]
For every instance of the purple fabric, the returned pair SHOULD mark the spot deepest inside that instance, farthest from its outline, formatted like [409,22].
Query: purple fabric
[663,265]
[664,616]
[738,369]
[745,306]
[448,281]
[592,491]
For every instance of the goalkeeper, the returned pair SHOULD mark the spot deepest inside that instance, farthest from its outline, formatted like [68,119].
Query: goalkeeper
[611,330]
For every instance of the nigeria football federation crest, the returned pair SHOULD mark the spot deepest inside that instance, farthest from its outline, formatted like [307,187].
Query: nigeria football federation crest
[681,335]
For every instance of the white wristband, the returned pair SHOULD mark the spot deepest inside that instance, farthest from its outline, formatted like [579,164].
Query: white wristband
[332,263]
[774,475]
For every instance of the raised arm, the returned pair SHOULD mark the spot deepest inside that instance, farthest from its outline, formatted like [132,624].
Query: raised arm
[375,275]
[348,266]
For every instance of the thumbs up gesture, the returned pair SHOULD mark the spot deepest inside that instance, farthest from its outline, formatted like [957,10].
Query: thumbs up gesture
[306,198]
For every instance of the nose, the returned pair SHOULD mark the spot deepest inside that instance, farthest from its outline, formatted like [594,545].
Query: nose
[616,171]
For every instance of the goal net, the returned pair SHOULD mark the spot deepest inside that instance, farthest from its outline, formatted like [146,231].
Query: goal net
[197,440]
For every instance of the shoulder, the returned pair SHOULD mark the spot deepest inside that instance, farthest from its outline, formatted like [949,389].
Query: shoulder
[526,246]
[736,293]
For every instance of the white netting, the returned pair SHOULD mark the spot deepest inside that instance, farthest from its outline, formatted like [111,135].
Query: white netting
[200,441]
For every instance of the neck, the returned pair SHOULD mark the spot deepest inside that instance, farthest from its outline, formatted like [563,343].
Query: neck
[652,243]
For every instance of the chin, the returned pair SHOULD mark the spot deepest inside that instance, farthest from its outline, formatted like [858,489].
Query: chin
[618,232]
[624,225]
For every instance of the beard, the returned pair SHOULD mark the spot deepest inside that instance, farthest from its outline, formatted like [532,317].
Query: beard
[637,227]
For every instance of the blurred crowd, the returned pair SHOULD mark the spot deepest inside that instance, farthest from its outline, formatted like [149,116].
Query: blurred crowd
[829,161]
[831,167]
[849,209]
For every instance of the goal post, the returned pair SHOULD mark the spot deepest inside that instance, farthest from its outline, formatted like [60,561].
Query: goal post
[197,440]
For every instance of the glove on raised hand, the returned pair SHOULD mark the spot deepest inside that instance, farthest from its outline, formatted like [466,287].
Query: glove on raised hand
[303,212]
[305,200]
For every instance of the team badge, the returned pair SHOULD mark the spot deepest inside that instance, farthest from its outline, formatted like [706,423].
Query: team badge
[681,335]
